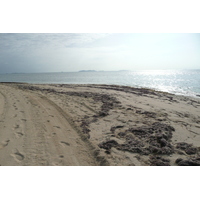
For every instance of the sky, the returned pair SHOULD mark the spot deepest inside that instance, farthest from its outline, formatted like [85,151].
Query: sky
[68,52]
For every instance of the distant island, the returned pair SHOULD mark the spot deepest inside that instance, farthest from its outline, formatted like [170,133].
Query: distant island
[87,71]
[102,71]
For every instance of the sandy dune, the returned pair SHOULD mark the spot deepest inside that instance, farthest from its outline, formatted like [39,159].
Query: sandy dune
[96,125]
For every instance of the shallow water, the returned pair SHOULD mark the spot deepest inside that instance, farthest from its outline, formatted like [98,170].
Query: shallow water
[182,82]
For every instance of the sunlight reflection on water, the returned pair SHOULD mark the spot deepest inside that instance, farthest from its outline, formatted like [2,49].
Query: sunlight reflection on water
[185,82]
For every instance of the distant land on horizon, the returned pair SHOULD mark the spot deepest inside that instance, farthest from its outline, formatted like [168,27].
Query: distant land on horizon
[87,71]
[99,71]
[62,72]
[96,71]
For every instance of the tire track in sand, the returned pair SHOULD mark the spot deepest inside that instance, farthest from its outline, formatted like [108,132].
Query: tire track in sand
[38,132]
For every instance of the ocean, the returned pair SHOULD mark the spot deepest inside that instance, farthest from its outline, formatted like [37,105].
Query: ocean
[180,82]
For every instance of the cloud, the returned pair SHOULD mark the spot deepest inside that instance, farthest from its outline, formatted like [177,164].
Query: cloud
[20,41]
[75,51]
[43,52]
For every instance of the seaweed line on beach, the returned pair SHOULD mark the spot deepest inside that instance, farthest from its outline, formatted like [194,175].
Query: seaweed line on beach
[80,130]
[108,102]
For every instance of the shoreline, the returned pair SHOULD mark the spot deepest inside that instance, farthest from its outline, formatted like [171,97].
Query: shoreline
[178,82]
[98,124]
[194,96]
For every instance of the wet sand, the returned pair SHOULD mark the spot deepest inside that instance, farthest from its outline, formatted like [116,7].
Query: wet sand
[88,125]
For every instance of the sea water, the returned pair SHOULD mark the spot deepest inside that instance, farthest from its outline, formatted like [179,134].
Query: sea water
[181,82]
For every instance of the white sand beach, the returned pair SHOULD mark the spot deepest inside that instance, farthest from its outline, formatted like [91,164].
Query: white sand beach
[92,125]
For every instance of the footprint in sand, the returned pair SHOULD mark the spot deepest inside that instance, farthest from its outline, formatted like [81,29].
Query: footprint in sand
[56,126]
[65,143]
[16,126]
[58,161]
[19,134]
[17,155]
[4,144]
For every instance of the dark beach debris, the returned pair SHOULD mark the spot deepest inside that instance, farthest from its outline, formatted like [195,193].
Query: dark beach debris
[153,140]
[85,128]
[188,148]
[108,103]
[134,146]
[127,89]
[157,137]
[158,161]
[145,140]
[141,132]
[108,145]
[164,130]
[146,113]
[113,128]
[131,146]
[193,161]
[161,150]
[103,114]
[85,122]
[160,143]
[137,91]
[122,134]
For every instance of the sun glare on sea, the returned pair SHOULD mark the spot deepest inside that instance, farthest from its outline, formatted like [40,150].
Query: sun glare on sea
[155,72]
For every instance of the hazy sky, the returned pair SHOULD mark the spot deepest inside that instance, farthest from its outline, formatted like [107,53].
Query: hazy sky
[73,52]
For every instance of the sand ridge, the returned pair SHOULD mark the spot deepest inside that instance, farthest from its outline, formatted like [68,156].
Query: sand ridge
[64,124]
